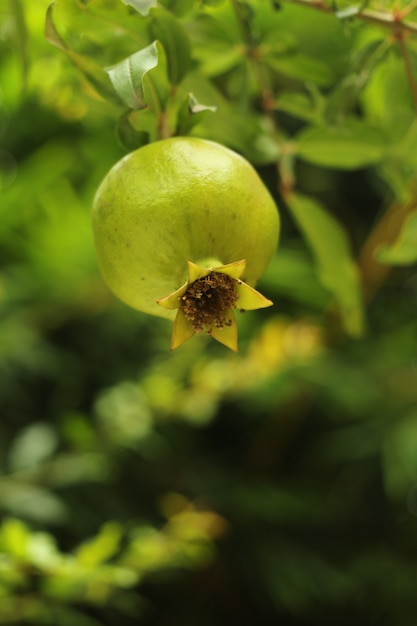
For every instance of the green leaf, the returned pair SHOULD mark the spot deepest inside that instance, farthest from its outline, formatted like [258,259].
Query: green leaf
[394,175]
[348,12]
[106,31]
[168,30]
[245,133]
[191,113]
[30,501]
[156,86]
[387,98]
[400,455]
[343,99]
[130,137]
[96,76]
[141,6]
[335,266]
[14,538]
[127,76]
[178,7]
[307,107]
[291,273]
[300,67]
[404,250]
[351,146]
[217,41]
[101,547]
[34,445]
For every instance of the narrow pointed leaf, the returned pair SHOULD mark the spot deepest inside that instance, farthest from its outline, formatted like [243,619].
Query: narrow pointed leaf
[141,6]
[51,33]
[348,12]
[127,76]
[351,146]
[195,107]
[129,137]
[191,113]
[300,67]
[156,86]
[345,14]
[95,75]
[300,105]
[335,266]
[179,7]
[404,250]
[168,30]
[145,122]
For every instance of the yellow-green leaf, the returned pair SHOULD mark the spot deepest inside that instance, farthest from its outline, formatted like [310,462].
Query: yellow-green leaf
[127,76]
[191,113]
[404,250]
[353,145]
[168,30]
[141,6]
[300,67]
[336,268]
[96,76]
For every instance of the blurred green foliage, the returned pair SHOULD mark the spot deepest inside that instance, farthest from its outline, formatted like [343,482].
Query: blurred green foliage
[278,485]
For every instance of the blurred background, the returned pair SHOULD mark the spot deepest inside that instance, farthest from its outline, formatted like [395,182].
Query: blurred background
[139,486]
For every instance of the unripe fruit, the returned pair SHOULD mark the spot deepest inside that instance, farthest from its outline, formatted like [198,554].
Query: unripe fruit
[176,201]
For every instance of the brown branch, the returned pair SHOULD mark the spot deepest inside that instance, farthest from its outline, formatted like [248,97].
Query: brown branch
[252,54]
[408,9]
[386,231]
[392,20]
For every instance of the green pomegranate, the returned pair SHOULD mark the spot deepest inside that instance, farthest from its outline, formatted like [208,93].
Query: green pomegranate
[179,211]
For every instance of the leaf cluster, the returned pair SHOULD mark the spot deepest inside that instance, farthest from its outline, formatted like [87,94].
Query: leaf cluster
[281,89]
[273,486]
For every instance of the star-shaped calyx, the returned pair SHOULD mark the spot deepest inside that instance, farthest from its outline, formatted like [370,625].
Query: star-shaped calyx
[206,302]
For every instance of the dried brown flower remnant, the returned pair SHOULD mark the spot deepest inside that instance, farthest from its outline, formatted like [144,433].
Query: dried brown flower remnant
[207,300]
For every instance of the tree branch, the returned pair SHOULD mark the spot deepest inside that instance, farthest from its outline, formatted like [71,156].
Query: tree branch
[392,20]
[373,273]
